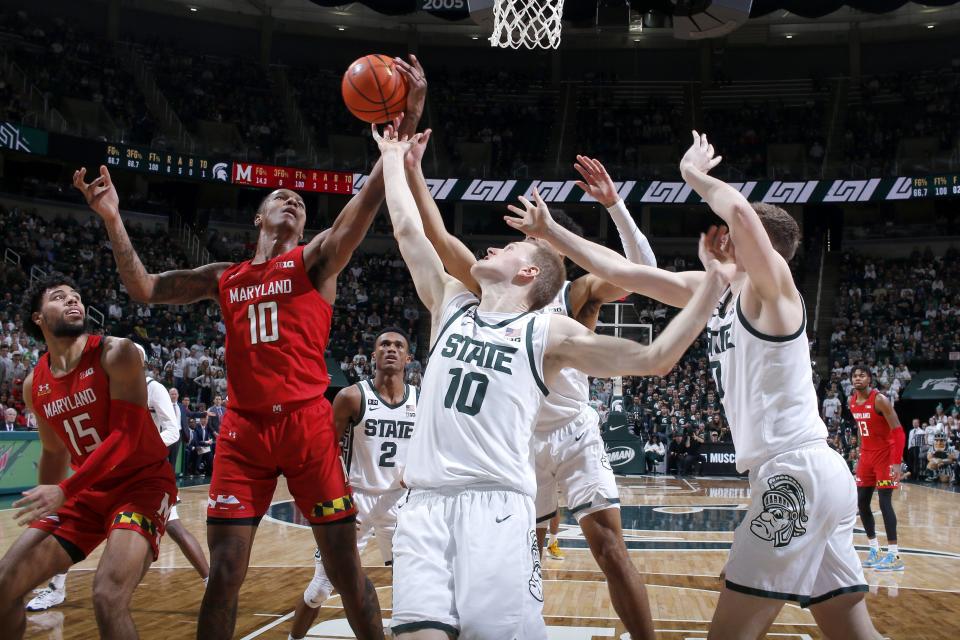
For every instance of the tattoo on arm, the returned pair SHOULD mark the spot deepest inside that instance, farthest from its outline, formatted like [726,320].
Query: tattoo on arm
[188,285]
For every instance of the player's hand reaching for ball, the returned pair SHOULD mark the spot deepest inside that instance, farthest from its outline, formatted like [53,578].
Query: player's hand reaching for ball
[38,502]
[416,86]
[100,194]
[533,220]
[716,252]
[393,142]
[414,156]
[700,155]
[596,181]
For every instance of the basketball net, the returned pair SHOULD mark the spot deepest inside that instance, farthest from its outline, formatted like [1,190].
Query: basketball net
[534,24]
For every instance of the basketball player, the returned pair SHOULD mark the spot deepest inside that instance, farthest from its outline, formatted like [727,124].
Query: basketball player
[570,454]
[89,396]
[881,456]
[466,559]
[277,308]
[796,542]
[377,417]
[161,411]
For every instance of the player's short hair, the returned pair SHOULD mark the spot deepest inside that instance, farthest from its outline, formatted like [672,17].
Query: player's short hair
[551,277]
[782,229]
[33,299]
[396,330]
[565,221]
[864,368]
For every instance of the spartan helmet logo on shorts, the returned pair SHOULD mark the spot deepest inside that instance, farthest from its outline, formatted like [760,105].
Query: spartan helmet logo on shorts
[784,512]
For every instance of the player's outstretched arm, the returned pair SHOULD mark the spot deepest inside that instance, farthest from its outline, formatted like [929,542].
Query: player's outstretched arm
[432,282]
[769,273]
[670,288]
[454,254]
[326,256]
[346,409]
[181,286]
[572,345]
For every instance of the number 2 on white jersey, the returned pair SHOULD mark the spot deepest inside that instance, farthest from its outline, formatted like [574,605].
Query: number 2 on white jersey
[76,431]
[264,322]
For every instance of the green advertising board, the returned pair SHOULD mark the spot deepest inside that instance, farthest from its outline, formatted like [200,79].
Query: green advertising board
[934,384]
[19,454]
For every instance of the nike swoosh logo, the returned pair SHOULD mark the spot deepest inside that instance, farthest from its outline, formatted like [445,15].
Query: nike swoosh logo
[499,520]
[619,426]
[580,436]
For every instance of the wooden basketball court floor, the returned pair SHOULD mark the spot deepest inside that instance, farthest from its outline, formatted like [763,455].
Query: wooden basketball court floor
[678,532]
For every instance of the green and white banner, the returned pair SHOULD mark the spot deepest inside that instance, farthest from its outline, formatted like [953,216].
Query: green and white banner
[935,384]
[17,137]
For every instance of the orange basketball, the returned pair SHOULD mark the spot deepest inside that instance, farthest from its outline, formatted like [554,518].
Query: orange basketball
[373,89]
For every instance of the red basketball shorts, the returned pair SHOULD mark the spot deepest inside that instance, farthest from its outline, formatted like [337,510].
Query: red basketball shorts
[139,503]
[873,469]
[254,449]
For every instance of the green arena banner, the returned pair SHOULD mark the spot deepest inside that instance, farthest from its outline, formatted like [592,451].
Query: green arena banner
[17,137]
[19,455]
[935,384]
[667,192]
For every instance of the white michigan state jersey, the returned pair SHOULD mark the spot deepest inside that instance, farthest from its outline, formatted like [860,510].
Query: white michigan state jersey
[480,396]
[569,394]
[378,442]
[765,384]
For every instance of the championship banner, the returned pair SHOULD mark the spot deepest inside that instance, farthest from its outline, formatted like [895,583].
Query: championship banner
[16,137]
[935,384]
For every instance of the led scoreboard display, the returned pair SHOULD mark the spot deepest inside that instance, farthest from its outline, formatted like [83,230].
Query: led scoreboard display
[942,186]
[273,177]
[166,163]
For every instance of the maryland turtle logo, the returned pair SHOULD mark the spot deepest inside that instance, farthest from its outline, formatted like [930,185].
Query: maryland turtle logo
[784,512]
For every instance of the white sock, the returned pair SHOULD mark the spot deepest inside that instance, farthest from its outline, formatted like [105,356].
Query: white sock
[874,544]
[894,549]
[59,581]
[551,538]
[206,580]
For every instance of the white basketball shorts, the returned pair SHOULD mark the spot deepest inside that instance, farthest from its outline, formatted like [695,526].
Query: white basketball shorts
[466,562]
[796,541]
[573,460]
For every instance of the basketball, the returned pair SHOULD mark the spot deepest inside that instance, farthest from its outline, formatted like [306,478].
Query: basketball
[373,89]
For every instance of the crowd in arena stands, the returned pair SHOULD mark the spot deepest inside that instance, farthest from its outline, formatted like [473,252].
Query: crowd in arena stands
[64,63]
[897,106]
[222,90]
[896,311]
[499,108]
[184,344]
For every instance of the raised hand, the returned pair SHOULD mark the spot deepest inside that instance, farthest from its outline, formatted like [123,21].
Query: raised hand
[596,181]
[700,155]
[716,252]
[100,194]
[533,220]
[391,141]
[414,157]
[416,84]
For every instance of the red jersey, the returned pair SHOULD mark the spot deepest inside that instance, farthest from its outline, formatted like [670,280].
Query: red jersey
[873,427]
[77,406]
[278,326]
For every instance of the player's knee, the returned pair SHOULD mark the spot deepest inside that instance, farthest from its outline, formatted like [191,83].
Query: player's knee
[608,550]
[864,495]
[109,593]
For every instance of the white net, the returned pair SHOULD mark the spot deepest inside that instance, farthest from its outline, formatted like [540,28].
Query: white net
[534,24]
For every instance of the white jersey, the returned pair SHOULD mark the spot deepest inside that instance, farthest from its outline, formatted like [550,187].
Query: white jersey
[765,384]
[481,393]
[571,391]
[378,442]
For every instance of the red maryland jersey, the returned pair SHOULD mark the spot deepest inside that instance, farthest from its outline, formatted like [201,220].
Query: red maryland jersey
[77,406]
[873,427]
[278,326]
